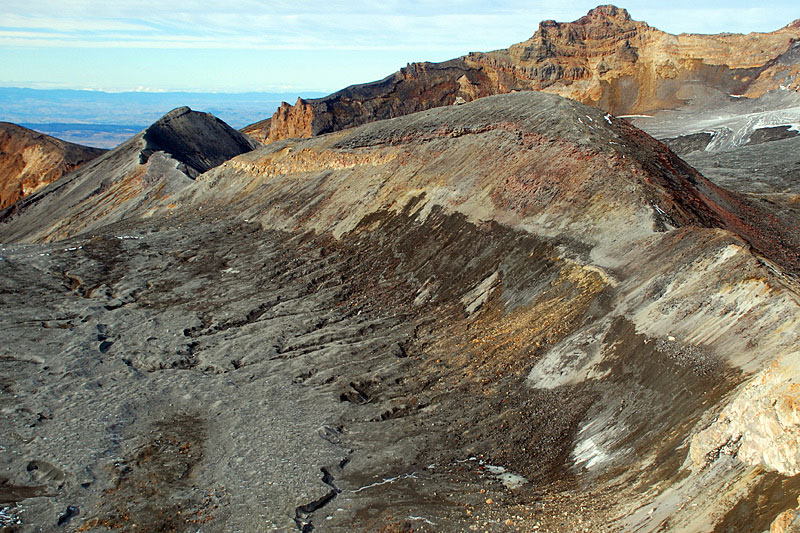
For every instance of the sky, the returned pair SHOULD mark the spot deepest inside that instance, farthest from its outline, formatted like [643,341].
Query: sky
[319,45]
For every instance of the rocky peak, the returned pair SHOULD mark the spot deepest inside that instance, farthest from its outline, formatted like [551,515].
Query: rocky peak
[605,59]
[607,12]
[602,22]
[198,140]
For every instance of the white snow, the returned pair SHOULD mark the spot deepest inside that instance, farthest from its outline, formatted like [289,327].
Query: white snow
[588,452]
[412,475]
[509,479]
[608,118]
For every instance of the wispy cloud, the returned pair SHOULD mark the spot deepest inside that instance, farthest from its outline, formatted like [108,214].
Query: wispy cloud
[281,25]
[299,43]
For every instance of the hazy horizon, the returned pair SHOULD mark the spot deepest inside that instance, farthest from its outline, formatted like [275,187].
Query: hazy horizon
[209,47]
[104,119]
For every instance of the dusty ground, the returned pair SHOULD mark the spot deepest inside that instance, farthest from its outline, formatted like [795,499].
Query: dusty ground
[209,375]
[488,344]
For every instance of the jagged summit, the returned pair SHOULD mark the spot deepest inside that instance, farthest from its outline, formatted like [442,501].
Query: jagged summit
[605,59]
[608,11]
[606,15]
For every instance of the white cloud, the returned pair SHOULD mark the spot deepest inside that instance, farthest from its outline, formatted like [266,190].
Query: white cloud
[390,25]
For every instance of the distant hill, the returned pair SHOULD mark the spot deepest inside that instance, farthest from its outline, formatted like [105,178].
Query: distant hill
[30,160]
[102,119]
[98,135]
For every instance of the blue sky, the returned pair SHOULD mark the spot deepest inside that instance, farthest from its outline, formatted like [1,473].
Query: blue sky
[250,45]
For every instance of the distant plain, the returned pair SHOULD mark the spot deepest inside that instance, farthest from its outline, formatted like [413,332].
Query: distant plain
[104,120]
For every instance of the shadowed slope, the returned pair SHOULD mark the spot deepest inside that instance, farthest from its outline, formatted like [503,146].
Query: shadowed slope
[145,169]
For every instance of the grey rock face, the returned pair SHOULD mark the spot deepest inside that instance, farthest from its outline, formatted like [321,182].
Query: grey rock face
[198,140]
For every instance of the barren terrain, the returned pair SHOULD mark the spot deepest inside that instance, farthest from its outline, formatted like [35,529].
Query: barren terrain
[517,314]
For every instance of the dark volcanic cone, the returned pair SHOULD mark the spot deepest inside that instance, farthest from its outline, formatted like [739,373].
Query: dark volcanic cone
[147,168]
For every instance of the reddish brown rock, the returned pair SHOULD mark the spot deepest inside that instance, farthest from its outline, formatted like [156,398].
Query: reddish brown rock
[30,160]
[605,59]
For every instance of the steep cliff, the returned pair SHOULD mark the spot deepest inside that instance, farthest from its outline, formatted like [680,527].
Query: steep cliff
[30,160]
[604,59]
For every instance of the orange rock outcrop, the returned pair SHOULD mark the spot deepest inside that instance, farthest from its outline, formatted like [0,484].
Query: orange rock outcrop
[30,160]
[605,59]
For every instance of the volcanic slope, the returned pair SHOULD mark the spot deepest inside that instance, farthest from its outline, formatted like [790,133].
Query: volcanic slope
[144,170]
[604,59]
[518,313]
[30,160]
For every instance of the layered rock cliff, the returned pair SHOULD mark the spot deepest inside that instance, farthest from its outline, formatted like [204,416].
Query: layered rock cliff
[604,59]
[30,160]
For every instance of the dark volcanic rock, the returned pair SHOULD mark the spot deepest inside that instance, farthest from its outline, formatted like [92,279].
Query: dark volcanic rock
[198,140]
[145,169]
[686,144]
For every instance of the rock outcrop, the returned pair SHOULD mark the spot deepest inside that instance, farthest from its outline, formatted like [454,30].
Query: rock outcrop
[147,168]
[604,59]
[30,160]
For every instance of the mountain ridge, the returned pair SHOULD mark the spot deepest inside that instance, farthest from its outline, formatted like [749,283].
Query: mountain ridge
[30,160]
[148,167]
[605,59]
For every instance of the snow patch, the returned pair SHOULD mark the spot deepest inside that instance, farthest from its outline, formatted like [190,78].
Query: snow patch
[422,518]
[509,479]
[412,475]
[589,453]
[478,296]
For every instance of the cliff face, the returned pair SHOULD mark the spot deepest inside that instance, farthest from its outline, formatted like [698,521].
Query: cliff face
[604,59]
[30,160]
